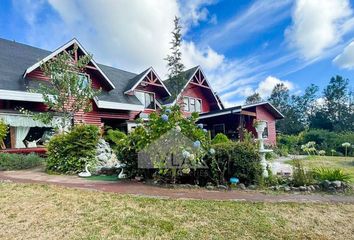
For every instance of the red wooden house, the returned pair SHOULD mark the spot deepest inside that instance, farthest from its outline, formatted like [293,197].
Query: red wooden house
[125,96]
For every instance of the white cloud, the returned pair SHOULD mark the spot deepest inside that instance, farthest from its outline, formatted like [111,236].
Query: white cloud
[195,11]
[318,25]
[207,57]
[266,86]
[346,58]
[131,35]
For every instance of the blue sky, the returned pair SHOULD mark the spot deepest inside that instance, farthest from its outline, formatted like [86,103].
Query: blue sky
[243,46]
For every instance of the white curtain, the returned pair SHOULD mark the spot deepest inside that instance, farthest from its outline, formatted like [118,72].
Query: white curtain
[21,133]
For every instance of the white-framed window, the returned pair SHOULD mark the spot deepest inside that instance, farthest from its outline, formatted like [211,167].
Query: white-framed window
[146,98]
[191,104]
[84,80]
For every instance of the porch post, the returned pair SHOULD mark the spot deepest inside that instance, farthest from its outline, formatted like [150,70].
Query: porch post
[240,131]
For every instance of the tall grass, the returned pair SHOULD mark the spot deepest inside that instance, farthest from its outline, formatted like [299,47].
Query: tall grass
[322,174]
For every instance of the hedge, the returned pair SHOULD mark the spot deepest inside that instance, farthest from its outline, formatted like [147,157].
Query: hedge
[19,161]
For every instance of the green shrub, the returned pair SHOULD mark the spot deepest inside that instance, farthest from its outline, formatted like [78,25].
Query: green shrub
[69,152]
[234,159]
[289,143]
[3,131]
[301,177]
[220,138]
[327,140]
[322,174]
[19,161]
[115,136]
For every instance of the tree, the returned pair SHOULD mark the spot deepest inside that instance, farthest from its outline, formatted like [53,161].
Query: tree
[305,105]
[174,60]
[338,106]
[254,98]
[280,98]
[69,90]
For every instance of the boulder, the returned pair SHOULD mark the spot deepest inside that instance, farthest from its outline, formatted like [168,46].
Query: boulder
[210,187]
[336,184]
[242,186]
[105,157]
[252,187]
[287,189]
[325,184]
[222,187]
[303,188]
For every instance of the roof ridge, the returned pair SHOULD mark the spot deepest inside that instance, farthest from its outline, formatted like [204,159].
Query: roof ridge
[24,44]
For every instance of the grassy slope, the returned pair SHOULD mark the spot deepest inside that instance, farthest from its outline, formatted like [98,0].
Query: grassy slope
[50,212]
[345,163]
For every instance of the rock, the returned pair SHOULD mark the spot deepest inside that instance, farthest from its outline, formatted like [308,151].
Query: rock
[325,184]
[317,187]
[222,187]
[252,187]
[242,186]
[331,189]
[139,178]
[102,157]
[303,188]
[336,184]
[311,188]
[287,189]
[209,187]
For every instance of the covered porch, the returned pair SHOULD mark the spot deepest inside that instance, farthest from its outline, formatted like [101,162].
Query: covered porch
[25,134]
[231,121]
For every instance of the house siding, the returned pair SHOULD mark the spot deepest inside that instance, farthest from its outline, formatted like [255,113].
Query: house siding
[263,114]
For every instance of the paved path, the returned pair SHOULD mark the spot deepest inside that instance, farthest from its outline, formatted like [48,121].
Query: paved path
[280,166]
[135,188]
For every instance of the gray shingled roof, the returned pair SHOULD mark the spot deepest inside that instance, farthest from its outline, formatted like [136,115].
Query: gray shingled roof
[15,58]
[173,88]
[135,79]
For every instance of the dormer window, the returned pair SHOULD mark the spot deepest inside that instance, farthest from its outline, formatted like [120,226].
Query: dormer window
[191,104]
[146,98]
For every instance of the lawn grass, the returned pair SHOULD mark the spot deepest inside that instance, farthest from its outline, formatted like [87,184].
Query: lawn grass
[30,211]
[345,163]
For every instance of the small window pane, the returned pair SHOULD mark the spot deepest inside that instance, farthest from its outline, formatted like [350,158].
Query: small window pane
[198,105]
[192,104]
[83,81]
[149,101]
[140,96]
[186,104]
[265,133]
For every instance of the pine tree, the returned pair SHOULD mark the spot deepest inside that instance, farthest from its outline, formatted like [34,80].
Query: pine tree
[254,98]
[174,65]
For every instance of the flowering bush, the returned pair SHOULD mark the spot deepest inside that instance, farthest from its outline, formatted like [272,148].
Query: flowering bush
[160,123]
[234,159]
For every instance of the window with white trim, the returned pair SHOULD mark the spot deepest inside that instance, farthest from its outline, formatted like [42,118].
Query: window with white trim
[83,80]
[191,104]
[146,98]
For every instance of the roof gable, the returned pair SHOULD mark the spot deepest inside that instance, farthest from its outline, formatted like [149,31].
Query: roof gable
[194,76]
[147,77]
[63,49]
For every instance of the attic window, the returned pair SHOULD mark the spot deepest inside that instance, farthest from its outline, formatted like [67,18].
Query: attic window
[146,98]
[191,104]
